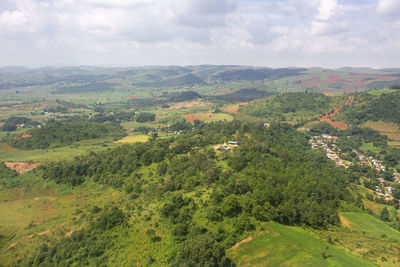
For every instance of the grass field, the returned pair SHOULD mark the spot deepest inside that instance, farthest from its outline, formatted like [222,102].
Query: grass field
[208,117]
[32,215]
[134,139]
[280,245]
[370,147]
[365,223]
[8,153]
[381,91]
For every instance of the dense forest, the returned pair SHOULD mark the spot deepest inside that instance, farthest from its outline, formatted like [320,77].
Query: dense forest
[12,123]
[371,107]
[271,175]
[64,133]
[275,108]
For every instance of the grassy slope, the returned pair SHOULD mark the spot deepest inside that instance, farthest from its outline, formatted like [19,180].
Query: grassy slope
[8,153]
[365,223]
[290,246]
[41,211]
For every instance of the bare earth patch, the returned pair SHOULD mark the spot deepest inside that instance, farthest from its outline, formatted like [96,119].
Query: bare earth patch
[235,108]
[242,242]
[197,116]
[21,167]
[381,126]
[393,136]
[69,233]
[7,147]
[344,222]
[24,135]
[190,104]
[44,232]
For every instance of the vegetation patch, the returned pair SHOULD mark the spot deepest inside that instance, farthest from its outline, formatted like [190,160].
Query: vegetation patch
[65,133]
[365,223]
[384,127]
[134,139]
[280,245]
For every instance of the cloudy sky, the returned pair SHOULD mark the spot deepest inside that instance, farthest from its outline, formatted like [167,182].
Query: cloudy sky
[273,33]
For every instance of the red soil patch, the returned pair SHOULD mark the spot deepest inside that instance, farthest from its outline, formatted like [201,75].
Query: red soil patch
[12,245]
[193,117]
[336,124]
[330,115]
[7,147]
[132,97]
[44,232]
[48,206]
[69,233]
[235,108]
[384,127]
[184,105]
[24,135]
[21,167]
[393,136]
[241,242]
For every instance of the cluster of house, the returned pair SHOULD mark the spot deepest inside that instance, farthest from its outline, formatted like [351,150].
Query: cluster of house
[326,143]
[370,161]
[49,113]
[226,146]
[383,191]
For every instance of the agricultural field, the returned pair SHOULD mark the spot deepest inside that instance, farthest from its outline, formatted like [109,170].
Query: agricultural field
[390,129]
[134,139]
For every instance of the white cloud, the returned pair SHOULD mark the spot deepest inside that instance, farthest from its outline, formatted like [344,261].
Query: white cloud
[389,8]
[142,32]
[326,9]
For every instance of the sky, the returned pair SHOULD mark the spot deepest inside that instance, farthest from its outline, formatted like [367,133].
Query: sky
[279,33]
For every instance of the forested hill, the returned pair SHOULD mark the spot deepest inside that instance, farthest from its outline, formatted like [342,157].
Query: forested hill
[305,105]
[368,106]
[65,133]
[200,199]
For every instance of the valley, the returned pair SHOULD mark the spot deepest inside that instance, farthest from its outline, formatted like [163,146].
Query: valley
[199,165]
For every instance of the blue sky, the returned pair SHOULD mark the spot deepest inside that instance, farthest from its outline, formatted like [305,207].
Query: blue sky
[303,33]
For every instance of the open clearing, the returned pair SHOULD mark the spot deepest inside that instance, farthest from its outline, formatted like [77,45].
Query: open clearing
[280,245]
[191,104]
[8,153]
[390,129]
[208,117]
[365,223]
[235,108]
[21,167]
[134,139]
[381,126]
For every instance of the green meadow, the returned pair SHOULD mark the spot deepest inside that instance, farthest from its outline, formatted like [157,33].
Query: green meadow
[279,245]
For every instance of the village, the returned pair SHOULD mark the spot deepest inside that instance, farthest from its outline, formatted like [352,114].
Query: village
[326,143]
